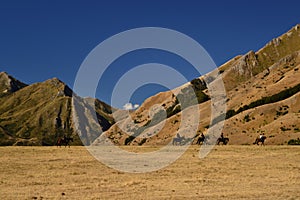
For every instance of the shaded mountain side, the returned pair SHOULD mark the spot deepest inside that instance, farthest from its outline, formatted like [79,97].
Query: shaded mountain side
[103,110]
[8,84]
[249,80]
[40,113]
[90,117]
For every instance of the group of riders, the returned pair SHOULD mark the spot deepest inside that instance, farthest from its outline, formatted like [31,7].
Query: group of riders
[201,139]
[178,140]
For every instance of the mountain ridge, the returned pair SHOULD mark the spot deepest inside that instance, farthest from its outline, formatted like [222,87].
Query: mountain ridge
[37,114]
[9,84]
[278,59]
[41,112]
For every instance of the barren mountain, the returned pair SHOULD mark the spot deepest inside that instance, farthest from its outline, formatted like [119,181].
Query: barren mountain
[262,97]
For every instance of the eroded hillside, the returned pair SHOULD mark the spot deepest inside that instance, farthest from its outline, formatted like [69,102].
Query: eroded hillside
[262,97]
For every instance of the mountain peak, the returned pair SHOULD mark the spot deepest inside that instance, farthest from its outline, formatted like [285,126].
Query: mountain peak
[62,87]
[9,84]
[55,80]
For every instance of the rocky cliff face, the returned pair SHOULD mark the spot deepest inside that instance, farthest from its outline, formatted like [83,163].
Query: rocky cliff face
[241,68]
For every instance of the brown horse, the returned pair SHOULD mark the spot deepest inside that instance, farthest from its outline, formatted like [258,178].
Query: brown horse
[64,141]
[260,139]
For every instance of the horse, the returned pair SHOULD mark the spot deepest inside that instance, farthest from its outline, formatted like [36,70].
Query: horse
[260,139]
[200,140]
[64,141]
[224,140]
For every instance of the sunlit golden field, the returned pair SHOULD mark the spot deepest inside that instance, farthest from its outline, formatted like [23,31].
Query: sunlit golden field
[228,172]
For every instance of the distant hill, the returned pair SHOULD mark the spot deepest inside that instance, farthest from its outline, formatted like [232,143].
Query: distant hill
[262,97]
[38,114]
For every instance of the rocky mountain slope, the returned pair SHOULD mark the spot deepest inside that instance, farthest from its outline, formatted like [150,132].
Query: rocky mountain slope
[262,97]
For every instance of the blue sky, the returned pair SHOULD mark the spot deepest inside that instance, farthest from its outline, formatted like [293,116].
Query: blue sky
[44,39]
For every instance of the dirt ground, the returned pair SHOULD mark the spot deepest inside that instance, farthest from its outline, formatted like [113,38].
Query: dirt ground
[228,172]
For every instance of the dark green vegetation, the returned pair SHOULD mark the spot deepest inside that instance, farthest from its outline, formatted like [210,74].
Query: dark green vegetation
[189,96]
[266,100]
[294,142]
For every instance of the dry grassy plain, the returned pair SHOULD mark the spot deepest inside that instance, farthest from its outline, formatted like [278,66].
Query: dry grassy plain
[228,172]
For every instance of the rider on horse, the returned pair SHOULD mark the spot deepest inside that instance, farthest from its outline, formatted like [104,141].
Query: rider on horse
[222,135]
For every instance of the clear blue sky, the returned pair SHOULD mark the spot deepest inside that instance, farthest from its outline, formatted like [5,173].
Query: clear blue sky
[44,39]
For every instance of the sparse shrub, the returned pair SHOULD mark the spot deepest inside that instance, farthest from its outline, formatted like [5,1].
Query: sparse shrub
[247,118]
[266,100]
[143,141]
[294,142]
[175,121]
[129,139]
[284,128]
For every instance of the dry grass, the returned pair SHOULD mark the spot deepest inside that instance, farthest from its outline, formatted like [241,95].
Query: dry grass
[228,172]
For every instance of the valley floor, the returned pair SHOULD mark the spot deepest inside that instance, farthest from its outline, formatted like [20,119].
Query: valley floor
[228,172]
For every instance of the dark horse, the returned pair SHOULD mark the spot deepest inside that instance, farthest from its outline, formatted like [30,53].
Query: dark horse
[260,139]
[224,140]
[64,141]
[201,139]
